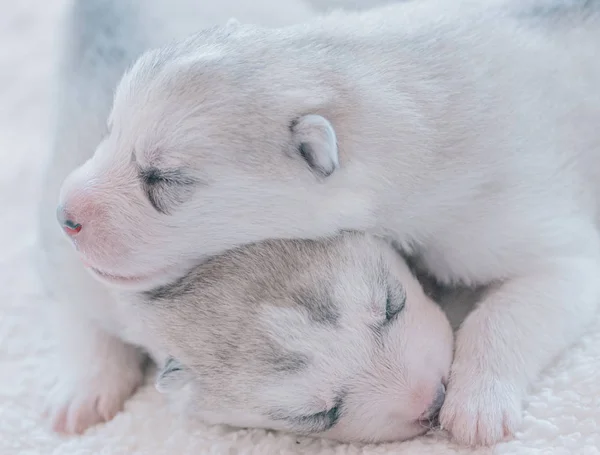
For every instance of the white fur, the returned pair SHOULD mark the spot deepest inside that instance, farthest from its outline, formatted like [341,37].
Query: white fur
[466,134]
[98,370]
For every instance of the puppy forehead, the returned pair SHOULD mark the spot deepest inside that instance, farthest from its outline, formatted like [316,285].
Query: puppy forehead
[161,82]
[206,106]
[169,67]
[194,127]
[311,317]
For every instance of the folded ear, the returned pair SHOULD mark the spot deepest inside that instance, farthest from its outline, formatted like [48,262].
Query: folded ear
[173,376]
[316,142]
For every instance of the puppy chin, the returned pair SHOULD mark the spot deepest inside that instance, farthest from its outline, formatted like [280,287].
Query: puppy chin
[136,282]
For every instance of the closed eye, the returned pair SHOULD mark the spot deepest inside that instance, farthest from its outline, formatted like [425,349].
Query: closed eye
[395,301]
[314,423]
[319,422]
[166,188]
[155,176]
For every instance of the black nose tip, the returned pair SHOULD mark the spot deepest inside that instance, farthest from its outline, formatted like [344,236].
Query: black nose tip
[70,226]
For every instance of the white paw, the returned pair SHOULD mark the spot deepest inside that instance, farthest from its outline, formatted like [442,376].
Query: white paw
[77,404]
[480,410]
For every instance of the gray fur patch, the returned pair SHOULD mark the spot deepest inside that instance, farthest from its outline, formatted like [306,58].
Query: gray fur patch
[432,288]
[319,304]
[175,290]
[285,362]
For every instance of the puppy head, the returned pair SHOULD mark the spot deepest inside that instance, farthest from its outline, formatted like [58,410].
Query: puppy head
[333,338]
[208,148]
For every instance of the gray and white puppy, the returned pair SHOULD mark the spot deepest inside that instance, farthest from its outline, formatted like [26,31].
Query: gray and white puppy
[333,337]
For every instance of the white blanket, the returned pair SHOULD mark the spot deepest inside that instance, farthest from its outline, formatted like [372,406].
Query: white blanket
[562,414]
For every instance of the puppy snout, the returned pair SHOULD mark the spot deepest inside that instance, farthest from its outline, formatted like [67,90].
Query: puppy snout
[434,408]
[69,225]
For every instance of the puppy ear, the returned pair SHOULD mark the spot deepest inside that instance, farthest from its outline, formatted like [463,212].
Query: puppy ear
[173,376]
[316,142]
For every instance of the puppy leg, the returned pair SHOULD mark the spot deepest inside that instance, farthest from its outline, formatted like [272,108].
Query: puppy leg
[96,371]
[515,332]
[96,374]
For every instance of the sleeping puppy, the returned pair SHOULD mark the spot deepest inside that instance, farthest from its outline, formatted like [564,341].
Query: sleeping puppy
[464,131]
[331,338]
[99,361]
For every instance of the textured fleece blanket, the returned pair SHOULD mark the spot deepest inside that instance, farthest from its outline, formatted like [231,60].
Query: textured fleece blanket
[562,414]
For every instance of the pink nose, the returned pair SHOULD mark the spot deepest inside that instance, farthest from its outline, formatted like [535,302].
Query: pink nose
[70,227]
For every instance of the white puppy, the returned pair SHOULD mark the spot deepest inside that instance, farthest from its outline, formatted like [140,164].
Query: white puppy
[98,371]
[332,337]
[467,132]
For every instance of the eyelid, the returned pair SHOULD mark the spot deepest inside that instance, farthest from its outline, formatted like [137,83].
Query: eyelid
[153,176]
[165,189]
[396,298]
[316,423]
[327,418]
